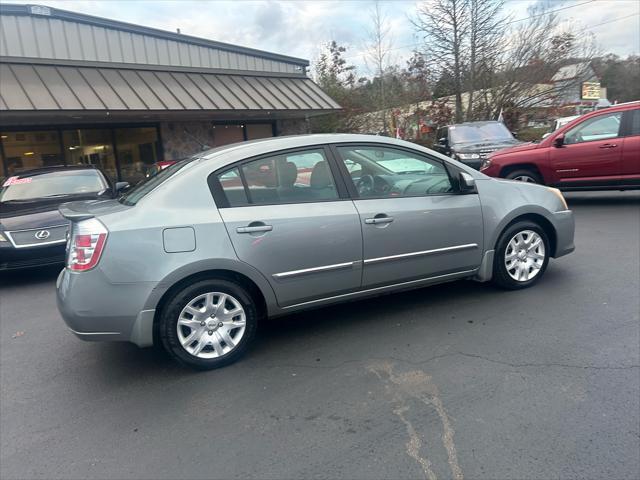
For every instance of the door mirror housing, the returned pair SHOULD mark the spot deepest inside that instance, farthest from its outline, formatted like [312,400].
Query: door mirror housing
[443,141]
[558,141]
[121,186]
[467,183]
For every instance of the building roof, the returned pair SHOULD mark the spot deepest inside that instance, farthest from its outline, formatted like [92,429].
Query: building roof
[45,87]
[51,29]
[58,61]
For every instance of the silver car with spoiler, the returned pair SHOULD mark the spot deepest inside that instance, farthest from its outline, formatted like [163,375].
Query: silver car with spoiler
[194,257]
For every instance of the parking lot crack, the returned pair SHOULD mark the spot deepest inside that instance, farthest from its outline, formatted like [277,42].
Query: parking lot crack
[547,364]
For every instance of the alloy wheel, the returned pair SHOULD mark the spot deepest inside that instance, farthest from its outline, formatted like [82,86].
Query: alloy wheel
[525,178]
[524,255]
[211,325]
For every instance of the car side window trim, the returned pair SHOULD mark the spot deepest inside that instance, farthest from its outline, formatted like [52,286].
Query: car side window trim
[349,182]
[222,201]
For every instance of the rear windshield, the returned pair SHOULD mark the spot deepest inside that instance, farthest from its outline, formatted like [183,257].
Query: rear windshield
[134,195]
[51,185]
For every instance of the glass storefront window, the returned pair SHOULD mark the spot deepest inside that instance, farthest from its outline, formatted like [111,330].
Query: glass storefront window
[90,147]
[31,149]
[138,150]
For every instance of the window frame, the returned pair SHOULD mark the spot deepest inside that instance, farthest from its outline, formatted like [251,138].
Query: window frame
[221,200]
[621,127]
[353,191]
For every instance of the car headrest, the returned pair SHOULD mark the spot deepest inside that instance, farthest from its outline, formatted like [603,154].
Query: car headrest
[321,175]
[288,174]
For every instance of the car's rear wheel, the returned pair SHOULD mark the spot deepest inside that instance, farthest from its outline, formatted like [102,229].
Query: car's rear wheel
[521,256]
[524,175]
[208,324]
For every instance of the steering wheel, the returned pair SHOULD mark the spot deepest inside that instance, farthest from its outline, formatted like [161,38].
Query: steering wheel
[365,185]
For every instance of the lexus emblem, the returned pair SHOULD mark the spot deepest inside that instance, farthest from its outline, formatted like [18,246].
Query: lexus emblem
[42,234]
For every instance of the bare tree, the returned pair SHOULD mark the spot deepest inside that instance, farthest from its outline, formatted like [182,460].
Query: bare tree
[486,31]
[444,25]
[378,48]
[543,63]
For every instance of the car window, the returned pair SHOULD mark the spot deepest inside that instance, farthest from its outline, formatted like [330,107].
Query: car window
[51,185]
[285,178]
[635,122]
[141,189]
[601,127]
[387,172]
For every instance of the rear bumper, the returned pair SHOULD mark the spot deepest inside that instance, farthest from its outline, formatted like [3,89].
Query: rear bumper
[95,309]
[14,258]
[564,224]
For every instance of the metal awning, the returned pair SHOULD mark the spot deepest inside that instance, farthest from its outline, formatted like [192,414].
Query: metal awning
[54,88]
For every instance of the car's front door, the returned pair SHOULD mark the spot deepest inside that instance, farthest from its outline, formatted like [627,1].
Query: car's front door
[414,222]
[286,217]
[590,153]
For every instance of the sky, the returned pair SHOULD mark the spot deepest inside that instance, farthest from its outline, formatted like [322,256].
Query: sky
[300,28]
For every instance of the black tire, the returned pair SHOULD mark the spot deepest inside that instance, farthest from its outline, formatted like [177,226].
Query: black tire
[525,173]
[501,276]
[171,312]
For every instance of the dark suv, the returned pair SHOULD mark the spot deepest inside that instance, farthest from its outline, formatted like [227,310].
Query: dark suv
[596,151]
[472,142]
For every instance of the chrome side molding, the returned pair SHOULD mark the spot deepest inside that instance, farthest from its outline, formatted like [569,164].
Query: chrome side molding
[401,256]
[306,271]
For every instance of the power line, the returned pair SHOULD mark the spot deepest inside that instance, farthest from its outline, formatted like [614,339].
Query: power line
[414,46]
[548,12]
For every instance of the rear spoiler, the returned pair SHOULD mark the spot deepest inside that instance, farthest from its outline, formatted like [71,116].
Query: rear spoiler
[71,211]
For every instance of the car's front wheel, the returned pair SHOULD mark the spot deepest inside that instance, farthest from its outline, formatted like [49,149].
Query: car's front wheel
[208,324]
[527,176]
[521,256]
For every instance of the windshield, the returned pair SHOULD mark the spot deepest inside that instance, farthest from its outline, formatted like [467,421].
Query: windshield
[135,194]
[389,161]
[51,184]
[481,132]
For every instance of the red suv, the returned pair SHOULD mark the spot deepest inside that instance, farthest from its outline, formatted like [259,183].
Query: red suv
[597,151]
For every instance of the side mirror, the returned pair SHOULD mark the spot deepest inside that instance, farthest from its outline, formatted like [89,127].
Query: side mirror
[558,141]
[467,183]
[443,141]
[515,134]
[121,186]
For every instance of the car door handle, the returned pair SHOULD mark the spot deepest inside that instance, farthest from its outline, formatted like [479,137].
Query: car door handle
[609,145]
[254,229]
[378,220]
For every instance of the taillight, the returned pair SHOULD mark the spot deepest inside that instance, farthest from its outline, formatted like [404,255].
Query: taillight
[86,244]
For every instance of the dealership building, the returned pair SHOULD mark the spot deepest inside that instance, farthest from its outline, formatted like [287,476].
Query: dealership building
[78,89]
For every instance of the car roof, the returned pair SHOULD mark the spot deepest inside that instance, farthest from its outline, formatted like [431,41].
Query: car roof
[55,168]
[253,148]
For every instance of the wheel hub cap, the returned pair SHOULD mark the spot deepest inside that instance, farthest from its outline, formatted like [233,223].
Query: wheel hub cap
[524,255]
[211,325]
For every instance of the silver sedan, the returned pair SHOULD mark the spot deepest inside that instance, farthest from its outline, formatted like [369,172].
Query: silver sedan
[195,256]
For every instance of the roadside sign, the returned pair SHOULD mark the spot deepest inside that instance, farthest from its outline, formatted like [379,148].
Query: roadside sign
[590,91]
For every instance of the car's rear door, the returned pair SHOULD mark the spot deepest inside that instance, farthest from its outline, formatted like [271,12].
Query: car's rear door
[591,152]
[287,217]
[414,222]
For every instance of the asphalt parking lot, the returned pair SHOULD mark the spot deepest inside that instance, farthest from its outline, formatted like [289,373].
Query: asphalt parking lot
[455,381]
